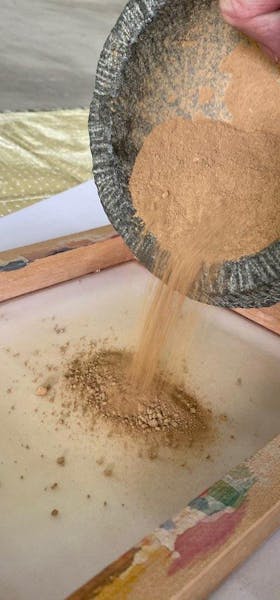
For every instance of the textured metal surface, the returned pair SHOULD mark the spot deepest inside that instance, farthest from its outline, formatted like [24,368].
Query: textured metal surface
[151,68]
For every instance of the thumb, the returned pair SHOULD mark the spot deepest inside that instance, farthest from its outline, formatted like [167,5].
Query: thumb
[259,19]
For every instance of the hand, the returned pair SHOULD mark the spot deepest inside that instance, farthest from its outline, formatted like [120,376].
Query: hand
[259,19]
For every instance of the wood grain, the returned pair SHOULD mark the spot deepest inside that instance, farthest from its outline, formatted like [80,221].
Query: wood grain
[41,265]
[266,317]
[74,240]
[81,254]
[190,555]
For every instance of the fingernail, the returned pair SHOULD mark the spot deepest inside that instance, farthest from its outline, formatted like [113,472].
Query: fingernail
[226,5]
[270,53]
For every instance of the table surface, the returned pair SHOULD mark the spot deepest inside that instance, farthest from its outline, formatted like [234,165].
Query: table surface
[79,209]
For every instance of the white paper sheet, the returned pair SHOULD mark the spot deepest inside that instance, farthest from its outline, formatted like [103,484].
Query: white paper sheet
[75,210]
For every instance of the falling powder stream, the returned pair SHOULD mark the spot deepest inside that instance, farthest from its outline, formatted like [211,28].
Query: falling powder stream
[165,309]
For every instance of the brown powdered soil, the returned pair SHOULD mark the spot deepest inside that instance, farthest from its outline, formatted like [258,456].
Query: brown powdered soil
[100,381]
[190,178]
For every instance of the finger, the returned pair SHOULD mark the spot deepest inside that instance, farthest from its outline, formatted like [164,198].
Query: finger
[264,28]
[241,10]
[270,53]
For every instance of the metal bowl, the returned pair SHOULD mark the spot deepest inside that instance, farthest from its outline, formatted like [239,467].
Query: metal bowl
[160,52]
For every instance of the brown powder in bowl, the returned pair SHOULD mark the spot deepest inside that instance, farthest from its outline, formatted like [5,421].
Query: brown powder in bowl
[192,177]
[208,192]
[253,92]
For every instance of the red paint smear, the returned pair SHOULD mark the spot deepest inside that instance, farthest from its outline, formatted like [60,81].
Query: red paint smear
[206,535]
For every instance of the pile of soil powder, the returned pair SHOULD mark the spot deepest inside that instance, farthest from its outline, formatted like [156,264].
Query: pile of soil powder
[101,383]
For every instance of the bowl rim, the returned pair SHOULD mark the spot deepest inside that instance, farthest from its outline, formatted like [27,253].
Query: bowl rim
[249,282]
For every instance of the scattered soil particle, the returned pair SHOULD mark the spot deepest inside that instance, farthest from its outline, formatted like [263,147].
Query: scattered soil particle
[105,503]
[55,512]
[239,381]
[61,461]
[42,390]
[88,496]
[223,418]
[64,347]
[58,329]
[108,472]
[54,486]
[22,477]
